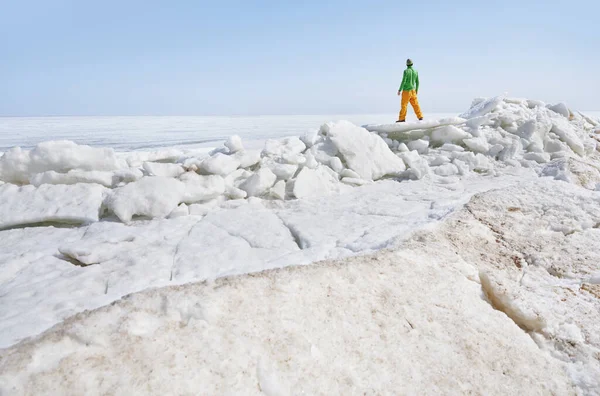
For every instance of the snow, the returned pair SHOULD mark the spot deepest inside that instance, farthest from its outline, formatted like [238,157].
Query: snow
[29,205]
[363,152]
[504,199]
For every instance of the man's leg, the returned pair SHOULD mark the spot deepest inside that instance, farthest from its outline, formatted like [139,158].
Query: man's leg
[404,105]
[414,102]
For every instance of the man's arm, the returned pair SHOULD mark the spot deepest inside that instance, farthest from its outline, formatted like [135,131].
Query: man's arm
[402,83]
[417,82]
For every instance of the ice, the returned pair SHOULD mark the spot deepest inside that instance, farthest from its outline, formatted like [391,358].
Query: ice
[199,188]
[467,283]
[107,179]
[282,171]
[278,190]
[153,197]
[402,127]
[336,164]
[234,144]
[482,108]
[314,183]
[567,134]
[29,205]
[448,134]
[446,170]
[526,244]
[477,144]
[259,183]
[220,164]
[560,108]
[17,165]
[324,151]
[363,152]
[418,166]
[165,170]
[288,147]
[248,158]
[420,145]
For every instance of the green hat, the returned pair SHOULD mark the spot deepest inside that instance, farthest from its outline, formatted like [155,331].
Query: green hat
[409,62]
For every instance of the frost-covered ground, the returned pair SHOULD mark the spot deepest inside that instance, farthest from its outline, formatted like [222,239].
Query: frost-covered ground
[489,285]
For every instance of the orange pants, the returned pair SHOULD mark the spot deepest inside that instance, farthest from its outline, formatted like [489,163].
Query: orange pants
[409,96]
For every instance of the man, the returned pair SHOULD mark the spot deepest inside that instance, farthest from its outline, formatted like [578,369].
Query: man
[409,90]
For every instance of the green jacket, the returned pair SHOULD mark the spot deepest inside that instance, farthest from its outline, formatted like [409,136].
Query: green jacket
[410,80]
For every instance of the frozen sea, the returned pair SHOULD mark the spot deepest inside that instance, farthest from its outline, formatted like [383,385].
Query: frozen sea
[469,253]
[151,133]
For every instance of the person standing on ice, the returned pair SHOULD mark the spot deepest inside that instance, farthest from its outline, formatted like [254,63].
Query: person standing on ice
[409,88]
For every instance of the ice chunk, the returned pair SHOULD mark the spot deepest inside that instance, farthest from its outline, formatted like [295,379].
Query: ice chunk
[354,181]
[402,127]
[220,164]
[73,177]
[363,152]
[75,204]
[247,158]
[560,108]
[259,183]
[439,160]
[324,151]
[235,193]
[237,177]
[349,173]
[282,147]
[540,158]
[336,164]
[478,144]
[418,166]
[127,175]
[311,162]
[234,144]
[310,138]
[448,134]
[451,147]
[535,103]
[153,197]
[314,183]
[181,210]
[482,108]
[403,148]
[200,188]
[420,145]
[446,170]
[567,134]
[17,165]
[282,171]
[165,170]
[278,190]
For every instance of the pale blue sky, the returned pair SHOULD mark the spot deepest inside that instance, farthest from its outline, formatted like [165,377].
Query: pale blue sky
[281,57]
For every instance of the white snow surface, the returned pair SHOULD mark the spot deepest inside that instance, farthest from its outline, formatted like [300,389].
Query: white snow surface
[82,227]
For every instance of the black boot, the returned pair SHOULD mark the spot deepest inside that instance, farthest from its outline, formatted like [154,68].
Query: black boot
[401,121]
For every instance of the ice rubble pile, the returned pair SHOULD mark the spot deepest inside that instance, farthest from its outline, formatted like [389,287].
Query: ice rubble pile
[493,134]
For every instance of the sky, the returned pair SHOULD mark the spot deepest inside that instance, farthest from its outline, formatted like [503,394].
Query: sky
[131,57]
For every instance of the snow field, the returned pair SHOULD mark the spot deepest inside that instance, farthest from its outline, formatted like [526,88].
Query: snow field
[473,304]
